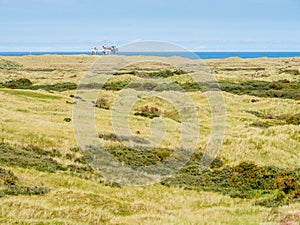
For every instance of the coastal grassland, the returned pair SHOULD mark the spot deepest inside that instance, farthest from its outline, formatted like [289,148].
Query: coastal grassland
[237,69]
[47,69]
[35,134]
[73,200]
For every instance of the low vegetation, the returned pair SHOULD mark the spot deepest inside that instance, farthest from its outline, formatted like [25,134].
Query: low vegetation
[272,120]
[246,180]
[30,157]
[148,111]
[253,180]
[9,185]
[154,74]
[270,185]
[9,65]
[24,83]
[102,103]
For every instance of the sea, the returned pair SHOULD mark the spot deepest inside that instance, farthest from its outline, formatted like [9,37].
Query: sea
[192,55]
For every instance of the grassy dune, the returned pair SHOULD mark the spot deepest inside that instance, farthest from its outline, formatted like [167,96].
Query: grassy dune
[44,179]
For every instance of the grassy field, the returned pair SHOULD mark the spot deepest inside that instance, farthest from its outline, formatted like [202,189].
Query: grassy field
[44,178]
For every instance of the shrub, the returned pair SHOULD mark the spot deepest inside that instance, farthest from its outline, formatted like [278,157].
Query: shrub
[67,120]
[116,85]
[295,119]
[8,177]
[20,83]
[28,158]
[102,103]
[25,190]
[275,86]
[163,154]
[150,112]
[166,73]
[245,180]
[24,83]
[286,81]
[285,182]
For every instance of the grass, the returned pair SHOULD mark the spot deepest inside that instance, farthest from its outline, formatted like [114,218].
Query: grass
[9,65]
[272,120]
[264,89]
[9,185]
[31,94]
[127,205]
[29,158]
[253,180]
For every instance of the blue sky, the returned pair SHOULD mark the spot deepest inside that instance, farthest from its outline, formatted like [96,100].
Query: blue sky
[212,25]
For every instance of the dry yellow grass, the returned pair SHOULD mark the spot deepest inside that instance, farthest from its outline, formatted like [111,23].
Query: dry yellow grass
[37,118]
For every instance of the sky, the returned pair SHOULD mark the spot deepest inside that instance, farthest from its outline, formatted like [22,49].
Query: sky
[197,25]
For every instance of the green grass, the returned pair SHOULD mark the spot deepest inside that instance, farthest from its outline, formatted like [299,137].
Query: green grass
[31,94]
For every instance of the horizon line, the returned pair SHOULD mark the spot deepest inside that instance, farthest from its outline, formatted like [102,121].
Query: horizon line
[84,51]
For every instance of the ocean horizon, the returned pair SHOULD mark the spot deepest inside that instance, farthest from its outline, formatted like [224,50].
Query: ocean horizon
[193,55]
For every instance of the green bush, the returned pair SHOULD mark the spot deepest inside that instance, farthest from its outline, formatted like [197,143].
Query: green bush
[116,85]
[28,158]
[245,180]
[24,83]
[17,84]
